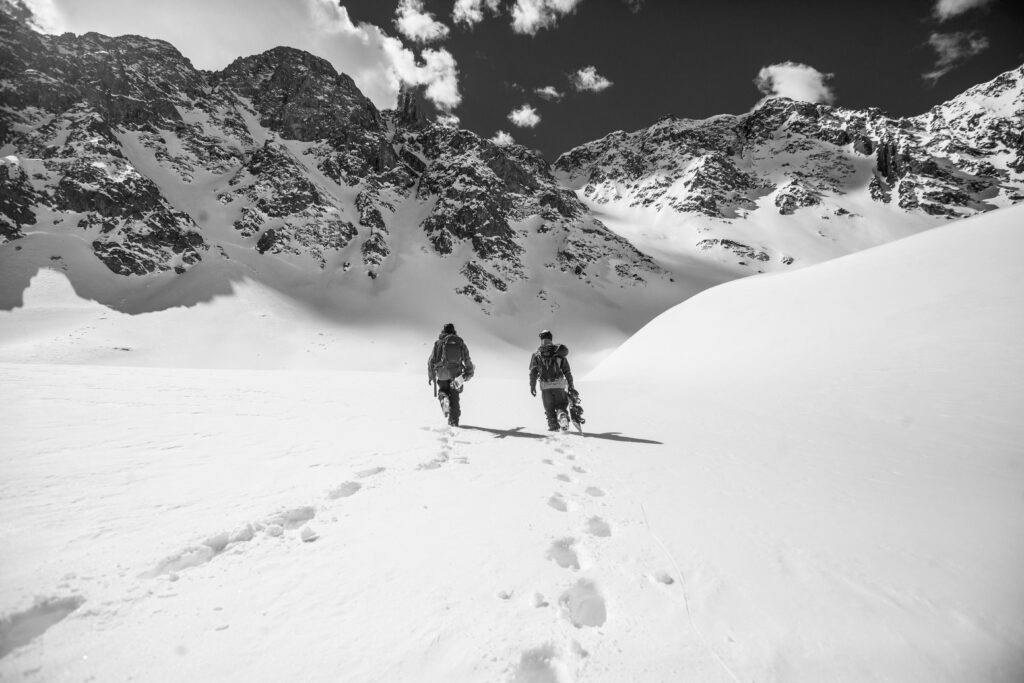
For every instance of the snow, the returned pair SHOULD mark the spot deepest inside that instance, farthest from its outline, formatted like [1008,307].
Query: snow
[815,475]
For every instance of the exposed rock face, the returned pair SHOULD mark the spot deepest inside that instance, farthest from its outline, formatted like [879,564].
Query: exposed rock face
[299,95]
[811,161]
[17,201]
[160,165]
[156,165]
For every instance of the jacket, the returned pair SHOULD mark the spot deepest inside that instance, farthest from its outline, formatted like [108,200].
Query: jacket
[558,353]
[436,366]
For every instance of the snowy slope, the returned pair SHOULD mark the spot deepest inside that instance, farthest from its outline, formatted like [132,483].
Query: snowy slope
[802,477]
[940,303]
[792,183]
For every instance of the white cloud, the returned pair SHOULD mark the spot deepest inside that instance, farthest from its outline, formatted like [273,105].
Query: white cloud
[524,117]
[530,16]
[947,9]
[501,138]
[416,24]
[47,18]
[471,12]
[449,120]
[588,80]
[549,93]
[377,62]
[634,5]
[795,81]
[437,71]
[951,49]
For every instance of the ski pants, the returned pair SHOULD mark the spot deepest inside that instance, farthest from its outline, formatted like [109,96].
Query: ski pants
[554,400]
[444,386]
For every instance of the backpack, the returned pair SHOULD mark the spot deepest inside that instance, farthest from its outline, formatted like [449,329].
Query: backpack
[450,359]
[550,364]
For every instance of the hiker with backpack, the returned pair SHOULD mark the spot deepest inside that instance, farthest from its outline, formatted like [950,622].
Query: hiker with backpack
[549,365]
[448,367]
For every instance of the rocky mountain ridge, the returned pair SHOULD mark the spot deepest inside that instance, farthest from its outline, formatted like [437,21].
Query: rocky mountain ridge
[159,167]
[728,174]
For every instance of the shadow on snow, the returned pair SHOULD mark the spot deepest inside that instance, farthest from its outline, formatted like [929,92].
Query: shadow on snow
[519,433]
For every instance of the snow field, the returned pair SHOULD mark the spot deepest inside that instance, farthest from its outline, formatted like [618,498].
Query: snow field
[803,477]
[438,554]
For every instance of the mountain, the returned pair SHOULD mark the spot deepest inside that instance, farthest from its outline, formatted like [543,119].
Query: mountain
[277,168]
[152,184]
[794,183]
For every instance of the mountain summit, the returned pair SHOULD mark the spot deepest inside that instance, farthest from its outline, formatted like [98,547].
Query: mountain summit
[801,182]
[278,169]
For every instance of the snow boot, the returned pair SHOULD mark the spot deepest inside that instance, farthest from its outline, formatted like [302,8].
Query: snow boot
[563,421]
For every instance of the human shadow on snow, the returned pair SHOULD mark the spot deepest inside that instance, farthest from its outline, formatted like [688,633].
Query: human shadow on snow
[502,433]
[617,436]
[517,432]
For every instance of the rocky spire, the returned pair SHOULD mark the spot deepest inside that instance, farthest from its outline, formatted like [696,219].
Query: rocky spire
[410,110]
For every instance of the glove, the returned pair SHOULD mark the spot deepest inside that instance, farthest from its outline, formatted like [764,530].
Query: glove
[533,391]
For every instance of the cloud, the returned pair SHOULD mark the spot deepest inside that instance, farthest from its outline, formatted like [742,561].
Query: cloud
[795,81]
[471,12]
[502,139]
[46,16]
[436,70]
[524,117]
[634,5]
[588,80]
[449,120]
[530,16]
[952,49]
[947,9]
[418,25]
[549,93]
[377,62]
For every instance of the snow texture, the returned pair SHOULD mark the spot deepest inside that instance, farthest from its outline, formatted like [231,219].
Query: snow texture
[808,476]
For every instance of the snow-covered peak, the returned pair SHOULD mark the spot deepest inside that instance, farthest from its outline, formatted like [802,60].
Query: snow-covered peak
[802,182]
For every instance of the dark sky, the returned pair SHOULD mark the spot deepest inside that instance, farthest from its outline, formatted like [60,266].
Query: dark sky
[697,59]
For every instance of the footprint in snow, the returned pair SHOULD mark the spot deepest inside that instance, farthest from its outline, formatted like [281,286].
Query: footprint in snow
[583,605]
[370,472]
[578,469]
[562,553]
[563,477]
[441,459]
[557,502]
[345,490]
[598,527]
[293,518]
[17,630]
[539,665]
[594,491]
[664,577]
[214,545]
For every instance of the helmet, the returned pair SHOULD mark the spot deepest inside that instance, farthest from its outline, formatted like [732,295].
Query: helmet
[545,334]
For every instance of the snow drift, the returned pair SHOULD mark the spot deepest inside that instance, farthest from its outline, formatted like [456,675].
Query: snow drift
[934,317]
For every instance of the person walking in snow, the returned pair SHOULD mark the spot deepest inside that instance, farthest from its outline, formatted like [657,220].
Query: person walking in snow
[448,367]
[549,364]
